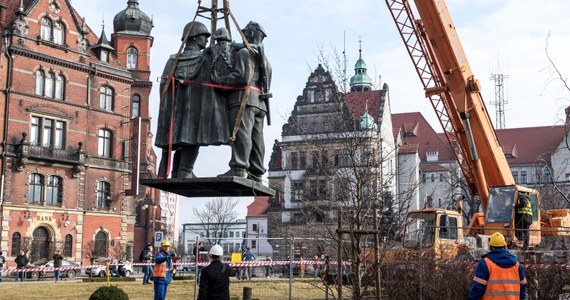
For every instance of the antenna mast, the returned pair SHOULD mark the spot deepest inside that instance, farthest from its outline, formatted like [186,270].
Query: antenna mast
[500,101]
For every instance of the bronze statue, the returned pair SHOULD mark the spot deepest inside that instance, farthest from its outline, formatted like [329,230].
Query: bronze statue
[190,116]
[250,74]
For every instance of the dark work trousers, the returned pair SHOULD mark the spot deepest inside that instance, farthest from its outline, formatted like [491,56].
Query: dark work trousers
[525,222]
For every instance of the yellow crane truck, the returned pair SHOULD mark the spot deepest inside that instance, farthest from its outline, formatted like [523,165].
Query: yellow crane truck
[441,64]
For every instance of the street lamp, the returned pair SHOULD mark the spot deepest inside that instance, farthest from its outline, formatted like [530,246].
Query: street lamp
[67,221]
[259,229]
[28,215]
[148,203]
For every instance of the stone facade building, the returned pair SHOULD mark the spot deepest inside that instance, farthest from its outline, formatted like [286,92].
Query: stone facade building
[75,126]
[333,141]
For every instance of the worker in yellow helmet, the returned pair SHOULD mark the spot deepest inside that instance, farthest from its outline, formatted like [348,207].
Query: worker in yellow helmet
[498,275]
[162,270]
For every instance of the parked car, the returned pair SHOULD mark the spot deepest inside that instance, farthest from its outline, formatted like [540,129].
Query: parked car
[188,268]
[49,264]
[117,268]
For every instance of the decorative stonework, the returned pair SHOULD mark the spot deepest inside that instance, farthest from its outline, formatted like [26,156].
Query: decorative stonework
[54,7]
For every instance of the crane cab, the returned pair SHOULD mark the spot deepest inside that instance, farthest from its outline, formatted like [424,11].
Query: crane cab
[501,214]
[432,232]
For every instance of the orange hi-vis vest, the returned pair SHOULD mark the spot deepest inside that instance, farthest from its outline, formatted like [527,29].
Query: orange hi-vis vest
[159,270]
[503,283]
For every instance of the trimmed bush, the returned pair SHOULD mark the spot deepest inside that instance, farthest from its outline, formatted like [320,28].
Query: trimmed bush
[114,279]
[109,293]
[186,277]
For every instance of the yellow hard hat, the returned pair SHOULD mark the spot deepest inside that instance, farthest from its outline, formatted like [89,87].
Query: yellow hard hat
[165,243]
[497,240]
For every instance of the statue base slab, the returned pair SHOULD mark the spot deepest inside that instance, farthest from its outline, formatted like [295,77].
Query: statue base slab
[211,187]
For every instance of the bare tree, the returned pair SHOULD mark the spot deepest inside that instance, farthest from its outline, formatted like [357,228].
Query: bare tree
[216,217]
[90,251]
[341,160]
[119,251]
[555,189]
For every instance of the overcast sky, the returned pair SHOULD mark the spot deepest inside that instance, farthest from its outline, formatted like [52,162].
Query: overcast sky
[498,36]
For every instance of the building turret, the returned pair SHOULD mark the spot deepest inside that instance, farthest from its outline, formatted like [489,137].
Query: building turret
[360,82]
[132,20]
[103,49]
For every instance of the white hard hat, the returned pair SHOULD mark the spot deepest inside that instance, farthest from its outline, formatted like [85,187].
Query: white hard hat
[217,250]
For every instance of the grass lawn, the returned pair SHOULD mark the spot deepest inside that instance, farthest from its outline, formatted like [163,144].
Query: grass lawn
[262,289]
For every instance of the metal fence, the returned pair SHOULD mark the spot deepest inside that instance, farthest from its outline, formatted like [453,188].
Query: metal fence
[296,259]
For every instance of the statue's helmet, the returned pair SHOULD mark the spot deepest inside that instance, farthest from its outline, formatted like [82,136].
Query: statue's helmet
[196,29]
[222,34]
[254,26]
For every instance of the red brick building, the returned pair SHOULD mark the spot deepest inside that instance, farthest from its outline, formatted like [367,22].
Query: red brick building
[75,126]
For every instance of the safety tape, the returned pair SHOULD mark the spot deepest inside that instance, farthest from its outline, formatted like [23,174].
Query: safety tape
[242,264]
[257,263]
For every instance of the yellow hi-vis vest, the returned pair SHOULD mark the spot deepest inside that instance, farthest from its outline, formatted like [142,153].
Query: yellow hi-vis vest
[525,210]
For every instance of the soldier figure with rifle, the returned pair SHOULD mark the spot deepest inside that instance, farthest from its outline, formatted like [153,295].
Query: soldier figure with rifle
[248,106]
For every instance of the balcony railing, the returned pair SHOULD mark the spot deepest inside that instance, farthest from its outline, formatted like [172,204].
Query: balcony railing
[70,155]
[75,156]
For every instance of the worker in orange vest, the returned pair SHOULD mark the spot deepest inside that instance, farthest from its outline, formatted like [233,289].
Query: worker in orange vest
[499,275]
[161,271]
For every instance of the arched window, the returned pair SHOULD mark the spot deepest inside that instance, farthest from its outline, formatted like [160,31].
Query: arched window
[45,32]
[68,246]
[53,192]
[138,215]
[104,143]
[101,242]
[39,82]
[49,85]
[132,58]
[59,84]
[35,183]
[58,33]
[136,106]
[106,98]
[103,194]
[16,243]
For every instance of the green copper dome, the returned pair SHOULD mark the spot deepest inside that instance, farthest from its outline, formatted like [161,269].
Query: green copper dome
[360,77]
[367,122]
[360,81]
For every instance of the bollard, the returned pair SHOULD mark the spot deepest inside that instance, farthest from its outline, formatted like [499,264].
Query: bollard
[246,293]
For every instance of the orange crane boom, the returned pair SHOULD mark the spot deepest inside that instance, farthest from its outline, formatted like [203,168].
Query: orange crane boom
[442,65]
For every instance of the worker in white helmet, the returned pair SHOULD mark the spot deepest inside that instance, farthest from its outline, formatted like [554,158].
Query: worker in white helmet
[215,278]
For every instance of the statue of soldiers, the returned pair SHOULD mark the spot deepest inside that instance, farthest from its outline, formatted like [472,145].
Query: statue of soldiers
[180,111]
[251,73]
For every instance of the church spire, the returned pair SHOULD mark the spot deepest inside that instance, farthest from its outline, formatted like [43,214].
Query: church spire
[360,82]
